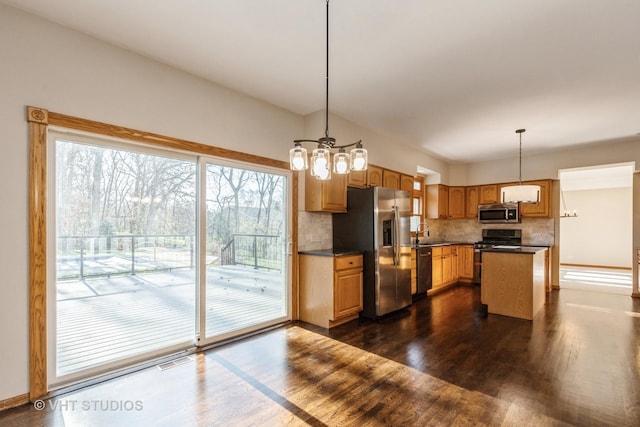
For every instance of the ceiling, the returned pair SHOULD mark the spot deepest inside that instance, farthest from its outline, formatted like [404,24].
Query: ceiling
[455,78]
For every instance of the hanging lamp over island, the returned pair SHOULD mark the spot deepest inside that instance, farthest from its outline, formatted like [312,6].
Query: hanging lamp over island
[520,193]
[355,160]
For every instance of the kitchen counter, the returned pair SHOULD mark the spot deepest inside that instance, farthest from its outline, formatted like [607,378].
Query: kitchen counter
[330,252]
[516,249]
[513,280]
[434,244]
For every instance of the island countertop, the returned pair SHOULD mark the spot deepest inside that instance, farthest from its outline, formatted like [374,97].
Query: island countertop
[516,249]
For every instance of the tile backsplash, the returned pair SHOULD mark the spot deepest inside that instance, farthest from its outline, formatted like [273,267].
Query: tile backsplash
[315,230]
[535,231]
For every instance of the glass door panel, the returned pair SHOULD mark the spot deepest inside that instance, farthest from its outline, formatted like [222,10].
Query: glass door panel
[246,229]
[125,255]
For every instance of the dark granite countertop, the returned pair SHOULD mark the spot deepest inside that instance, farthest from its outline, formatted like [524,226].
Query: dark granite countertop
[433,244]
[516,249]
[330,252]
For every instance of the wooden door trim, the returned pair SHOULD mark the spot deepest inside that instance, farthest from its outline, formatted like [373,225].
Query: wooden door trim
[39,119]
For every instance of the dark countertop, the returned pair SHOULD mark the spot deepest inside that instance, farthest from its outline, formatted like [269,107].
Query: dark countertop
[517,249]
[330,252]
[433,244]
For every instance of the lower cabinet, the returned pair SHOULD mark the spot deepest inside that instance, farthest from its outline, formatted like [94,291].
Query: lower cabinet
[451,264]
[443,272]
[465,263]
[414,266]
[330,289]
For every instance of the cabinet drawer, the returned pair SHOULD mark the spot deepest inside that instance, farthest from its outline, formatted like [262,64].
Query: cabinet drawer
[350,261]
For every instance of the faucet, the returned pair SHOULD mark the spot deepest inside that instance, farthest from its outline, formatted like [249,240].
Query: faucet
[418,231]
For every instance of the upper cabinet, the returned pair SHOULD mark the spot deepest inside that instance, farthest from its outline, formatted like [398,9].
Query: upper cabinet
[357,179]
[374,176]
[390,179]
[457,202]
[472,196]
[437,201]
[325,196]
[543,207]
[489,194]
[406,183]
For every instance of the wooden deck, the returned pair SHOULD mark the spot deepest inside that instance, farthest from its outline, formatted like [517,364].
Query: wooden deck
[110,319]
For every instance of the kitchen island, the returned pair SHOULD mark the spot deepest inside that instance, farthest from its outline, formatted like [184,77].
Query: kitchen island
[513,280]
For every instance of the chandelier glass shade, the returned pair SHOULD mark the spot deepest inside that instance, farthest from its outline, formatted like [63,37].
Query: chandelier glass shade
[520,193]
[321,157]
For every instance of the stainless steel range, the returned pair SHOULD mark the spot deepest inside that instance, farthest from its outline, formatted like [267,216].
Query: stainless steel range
[493,237]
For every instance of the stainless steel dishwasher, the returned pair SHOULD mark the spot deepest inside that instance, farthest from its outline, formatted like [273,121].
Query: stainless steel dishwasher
[423,269]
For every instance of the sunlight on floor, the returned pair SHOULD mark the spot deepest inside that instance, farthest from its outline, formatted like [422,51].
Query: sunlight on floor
[616,281]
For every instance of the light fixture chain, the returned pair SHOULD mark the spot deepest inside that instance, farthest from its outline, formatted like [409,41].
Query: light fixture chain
[520,132]
[326,107]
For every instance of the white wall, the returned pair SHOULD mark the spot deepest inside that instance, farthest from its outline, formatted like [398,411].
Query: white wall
[48,66]
[601,234]
[547,165]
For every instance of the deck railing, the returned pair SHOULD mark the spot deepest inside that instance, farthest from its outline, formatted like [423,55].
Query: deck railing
[255,250]
[100,255]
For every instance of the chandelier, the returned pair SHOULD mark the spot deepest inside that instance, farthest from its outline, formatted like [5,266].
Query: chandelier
[355,160]
[521,193]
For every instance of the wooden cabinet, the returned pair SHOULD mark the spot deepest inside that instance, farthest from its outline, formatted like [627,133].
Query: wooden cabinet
[390,179]
[436,268]
[453,277]
[457,197]
[414,283]
[374,176]
[437,201]
[325,196]
[543,207]
[472,197]
[465,263]
[357,179]
[330,289]
[443,270]
[489,194]
[406,183]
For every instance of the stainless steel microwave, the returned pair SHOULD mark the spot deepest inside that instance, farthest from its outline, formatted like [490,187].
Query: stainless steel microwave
[504,213]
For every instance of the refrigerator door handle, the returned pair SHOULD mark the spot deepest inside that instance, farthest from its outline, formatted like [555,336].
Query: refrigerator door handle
[396,237]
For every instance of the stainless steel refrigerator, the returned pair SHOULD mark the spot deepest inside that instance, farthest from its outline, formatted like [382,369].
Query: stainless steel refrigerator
[377,224]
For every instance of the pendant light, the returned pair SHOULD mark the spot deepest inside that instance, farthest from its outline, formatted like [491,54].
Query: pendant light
[521,193]
[355,160]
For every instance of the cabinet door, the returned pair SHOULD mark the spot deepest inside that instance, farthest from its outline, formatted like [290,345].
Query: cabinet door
[414,284]
[456,202]
[406,183]
[374,176]
[542,208]
[472,195]
[334,194]
[391,179]
[465,262]
[347,293]
[489,194]
[325,196]
[357,179]
[437,201]
[447,269]
[436,267]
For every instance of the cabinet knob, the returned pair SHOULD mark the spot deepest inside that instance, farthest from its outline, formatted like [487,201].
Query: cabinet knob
[350,262]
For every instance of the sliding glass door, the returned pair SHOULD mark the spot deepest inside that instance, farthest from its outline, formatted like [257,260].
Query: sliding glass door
[245,230]
[154,251]
[125,254]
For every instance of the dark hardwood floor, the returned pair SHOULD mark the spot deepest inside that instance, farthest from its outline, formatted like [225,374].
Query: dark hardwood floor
[440,362]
